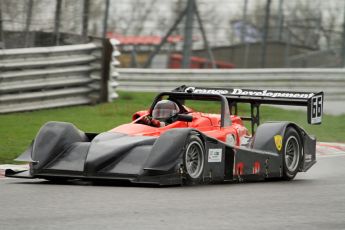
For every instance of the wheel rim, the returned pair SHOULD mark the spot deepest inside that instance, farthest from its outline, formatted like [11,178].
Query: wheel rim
[292,153]
[194,159]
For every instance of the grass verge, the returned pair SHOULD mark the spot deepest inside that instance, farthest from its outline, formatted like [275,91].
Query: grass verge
[18,129]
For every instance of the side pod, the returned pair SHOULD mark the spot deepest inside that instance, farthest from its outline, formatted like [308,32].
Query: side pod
[264,139]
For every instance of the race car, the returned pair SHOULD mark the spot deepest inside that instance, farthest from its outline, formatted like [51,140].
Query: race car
[173,144]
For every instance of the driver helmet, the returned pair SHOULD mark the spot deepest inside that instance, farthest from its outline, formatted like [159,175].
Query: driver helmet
[164,110]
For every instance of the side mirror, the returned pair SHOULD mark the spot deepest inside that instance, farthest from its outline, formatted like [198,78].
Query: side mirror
[184,117]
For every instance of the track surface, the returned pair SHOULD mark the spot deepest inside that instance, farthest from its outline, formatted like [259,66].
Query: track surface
[314,200]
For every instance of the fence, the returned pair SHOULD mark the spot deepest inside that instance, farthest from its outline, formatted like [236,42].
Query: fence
[38,78]
[331,81]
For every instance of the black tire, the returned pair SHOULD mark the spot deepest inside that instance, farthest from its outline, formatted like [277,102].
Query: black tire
[292,153]
[193,160]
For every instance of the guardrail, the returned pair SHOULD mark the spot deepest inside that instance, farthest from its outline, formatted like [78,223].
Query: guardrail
[331,81]
[46,77]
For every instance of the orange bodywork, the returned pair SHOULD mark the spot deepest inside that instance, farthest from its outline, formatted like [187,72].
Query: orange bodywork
[209,124]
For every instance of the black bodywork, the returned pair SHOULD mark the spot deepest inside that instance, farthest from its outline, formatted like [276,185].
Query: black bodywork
[61,151]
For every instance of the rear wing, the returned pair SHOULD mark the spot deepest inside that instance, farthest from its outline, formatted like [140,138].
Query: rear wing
[312,100]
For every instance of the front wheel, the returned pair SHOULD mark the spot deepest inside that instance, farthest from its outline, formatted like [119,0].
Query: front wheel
[292,153]
[193,160]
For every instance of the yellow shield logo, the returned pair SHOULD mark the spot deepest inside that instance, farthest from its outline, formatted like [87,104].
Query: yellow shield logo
[278,139]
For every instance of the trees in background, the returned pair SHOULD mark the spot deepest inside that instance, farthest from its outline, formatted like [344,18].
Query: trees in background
[304,23]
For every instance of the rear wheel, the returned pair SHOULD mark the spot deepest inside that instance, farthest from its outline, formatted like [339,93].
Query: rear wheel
[193,160]
[292,153]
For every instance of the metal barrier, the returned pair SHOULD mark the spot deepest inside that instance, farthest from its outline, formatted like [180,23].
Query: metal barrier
[46,77]
[331,81]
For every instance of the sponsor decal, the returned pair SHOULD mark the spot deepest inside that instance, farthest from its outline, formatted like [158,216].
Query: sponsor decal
[206,91]
[278,139]
[257,93]
[307,158]
[239,168]
[215,155]
[256,167]
[267,93]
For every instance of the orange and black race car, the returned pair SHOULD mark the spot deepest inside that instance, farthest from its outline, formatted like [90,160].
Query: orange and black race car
[171,143]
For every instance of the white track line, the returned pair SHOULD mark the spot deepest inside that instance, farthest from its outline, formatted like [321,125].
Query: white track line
[14,167]
[325,149]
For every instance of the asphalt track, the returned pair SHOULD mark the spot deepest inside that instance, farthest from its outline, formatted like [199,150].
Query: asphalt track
[314,200]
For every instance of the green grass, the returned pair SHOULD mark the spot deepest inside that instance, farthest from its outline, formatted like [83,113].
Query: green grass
[17,130]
